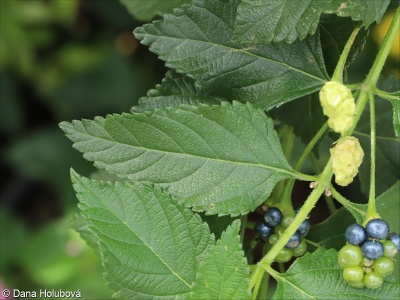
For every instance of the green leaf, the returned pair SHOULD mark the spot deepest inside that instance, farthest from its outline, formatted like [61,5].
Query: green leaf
[387,148]
[220,159]
[318,276]
[151,246]
[79,224]
[224,273]
[148,9]
[175,89]
[196,40]
[260,22]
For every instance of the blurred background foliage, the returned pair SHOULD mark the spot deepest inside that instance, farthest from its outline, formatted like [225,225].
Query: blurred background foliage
[63,60]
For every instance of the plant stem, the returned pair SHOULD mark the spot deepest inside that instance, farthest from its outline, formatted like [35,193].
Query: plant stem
[328,200]
[385,95]
[345,202]
[316,245]
[338,73]
[371,201]
[290,183]
[324,181]
[373,75]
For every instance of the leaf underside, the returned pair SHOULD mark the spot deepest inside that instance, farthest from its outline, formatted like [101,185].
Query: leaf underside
[260,22]
[224,273]
[219,159]
[196,40]
[318,276]
[151,246]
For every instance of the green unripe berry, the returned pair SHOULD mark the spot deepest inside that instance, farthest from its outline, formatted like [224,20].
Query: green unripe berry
[338,104]
[279,230]
[287,220]
[389,249]
[384,266]
[284,255]
[373,280]
[300,249]
[273,238]
[367,262]
[347,156]
[353,274]
[350,256]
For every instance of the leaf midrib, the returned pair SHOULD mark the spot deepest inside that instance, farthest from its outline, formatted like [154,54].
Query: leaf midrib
[242,51]
[201,157]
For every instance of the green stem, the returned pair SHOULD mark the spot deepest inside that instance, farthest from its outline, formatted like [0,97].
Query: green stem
[345,202]
[373,75]
[338,73]
[289,186]
[328,200]
[316,245]
[324,181]
[264,287]
[385,95]
[371,201]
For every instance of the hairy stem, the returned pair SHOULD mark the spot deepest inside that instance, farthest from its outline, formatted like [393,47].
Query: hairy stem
[371,201]
[338,73]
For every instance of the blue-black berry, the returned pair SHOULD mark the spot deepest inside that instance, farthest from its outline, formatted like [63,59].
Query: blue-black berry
[356,234]
[377,229]
[273,216]
[372,249]
[263,230]
[395,238]
[304,227]
[294,241]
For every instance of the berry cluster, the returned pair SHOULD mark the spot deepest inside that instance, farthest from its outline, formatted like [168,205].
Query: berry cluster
[368,256]
[273,226]
[347,156]
[338,104]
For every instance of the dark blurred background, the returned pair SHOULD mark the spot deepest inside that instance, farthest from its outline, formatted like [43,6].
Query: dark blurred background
[63,60]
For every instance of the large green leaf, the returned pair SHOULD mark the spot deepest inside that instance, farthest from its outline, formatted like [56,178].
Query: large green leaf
[196,40]
[175,89]
[224,273]
[387,148]
[145,10]
[220,159]
[318,276]
[260,22]
[151,246]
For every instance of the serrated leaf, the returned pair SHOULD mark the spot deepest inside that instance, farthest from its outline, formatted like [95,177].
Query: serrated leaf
[224,273]
[148,9]
[175,89]
[304,115]
[260,22]
[219,159]
[318,276]
[387,148]
[196,40]
[151,246]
